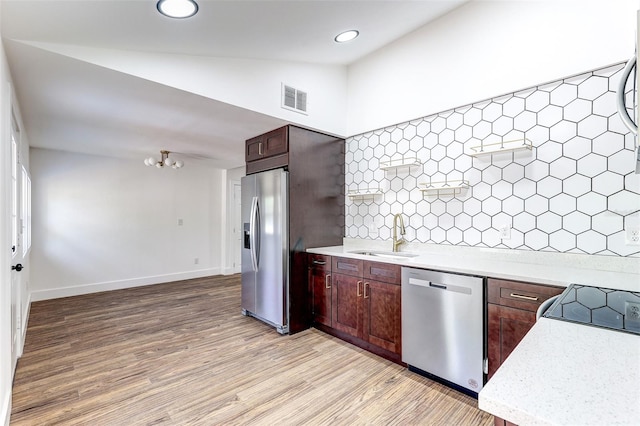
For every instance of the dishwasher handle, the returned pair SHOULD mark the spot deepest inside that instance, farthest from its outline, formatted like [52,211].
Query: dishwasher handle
[438,286]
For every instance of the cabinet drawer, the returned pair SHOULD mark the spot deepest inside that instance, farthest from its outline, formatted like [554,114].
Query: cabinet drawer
[344,265]
[267,145]
[384,272]
[518,294]
[319,261]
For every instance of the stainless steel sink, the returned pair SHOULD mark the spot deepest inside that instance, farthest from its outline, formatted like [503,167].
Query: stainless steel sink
[385,254]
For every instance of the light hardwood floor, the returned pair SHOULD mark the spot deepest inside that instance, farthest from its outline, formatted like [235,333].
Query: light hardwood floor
[181,353]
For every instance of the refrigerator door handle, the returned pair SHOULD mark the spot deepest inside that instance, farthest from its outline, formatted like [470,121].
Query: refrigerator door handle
[252,232]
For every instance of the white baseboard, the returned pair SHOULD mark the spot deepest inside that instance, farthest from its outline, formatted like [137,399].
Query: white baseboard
[5,409]
[118,285]
[23,326]
[231,271]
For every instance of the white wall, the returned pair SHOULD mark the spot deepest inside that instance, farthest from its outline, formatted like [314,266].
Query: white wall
[484,49]
[101,223]
[247,83]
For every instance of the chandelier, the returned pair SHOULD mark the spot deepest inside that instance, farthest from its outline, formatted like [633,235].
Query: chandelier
[164,161]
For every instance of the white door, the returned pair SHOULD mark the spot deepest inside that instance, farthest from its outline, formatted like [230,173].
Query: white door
[16,249]
[237,227]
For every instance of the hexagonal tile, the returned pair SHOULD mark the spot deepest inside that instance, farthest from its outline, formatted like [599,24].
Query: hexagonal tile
[438,124]
[513,107]
[622,162]
[592,165]
[446,137]
[512,205]
[481,191]
[607,223]
[524,222]
[409,132]
[482,130]
[472,116]
[564,94]
[502,125]
[608,183]
[422,235]
[576,222]
[513,172]
[423,128]
[549,222]
[438,153]
[538,135]
[605,105]
[593,87]
[563,131]
[455,120]
[472,236]
[563,167]
[625,202]
[481,221]
[549,151]
[549,115]
[491,206]
[549,187]
[536,101]
[524,121]
[576,148]
[562,241]
[577,110]
[536,204]
[536,239]
[562,204]
[576,185]
[592,126]
[454,236]
[438,235]
[592,242]
[524,188]
[491,112]
[608,144]
[592,203]
[472,206]
[501,190]
[490,237]
[536,170]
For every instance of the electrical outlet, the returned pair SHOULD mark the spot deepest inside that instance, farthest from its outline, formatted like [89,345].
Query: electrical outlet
[196,261]
[505,232]
[632,311]
[632,236]
[180,222]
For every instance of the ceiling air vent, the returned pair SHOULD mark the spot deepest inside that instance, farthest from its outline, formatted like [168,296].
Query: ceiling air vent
[294,99]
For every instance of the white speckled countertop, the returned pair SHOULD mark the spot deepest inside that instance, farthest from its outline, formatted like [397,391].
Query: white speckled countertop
[561,373]
[559,269]
[568,374]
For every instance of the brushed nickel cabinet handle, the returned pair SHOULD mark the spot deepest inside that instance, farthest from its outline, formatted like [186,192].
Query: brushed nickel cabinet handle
[358,290]
[522,296]
[259,148]
[327,281]
[365,290]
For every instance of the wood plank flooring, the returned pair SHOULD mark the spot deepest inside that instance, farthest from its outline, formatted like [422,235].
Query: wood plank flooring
[182,354]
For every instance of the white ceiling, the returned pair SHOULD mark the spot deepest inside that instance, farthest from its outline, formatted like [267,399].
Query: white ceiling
[73,105]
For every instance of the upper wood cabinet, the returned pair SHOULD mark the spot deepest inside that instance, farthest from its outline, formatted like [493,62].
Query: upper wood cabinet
[272,143]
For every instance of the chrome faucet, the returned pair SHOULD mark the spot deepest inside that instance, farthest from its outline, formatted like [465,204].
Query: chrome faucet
[396,241]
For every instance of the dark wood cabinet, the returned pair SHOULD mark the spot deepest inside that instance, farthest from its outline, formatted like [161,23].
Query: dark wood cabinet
[315,165]
[320,288]
[511,314]
[365,303]
[268,145]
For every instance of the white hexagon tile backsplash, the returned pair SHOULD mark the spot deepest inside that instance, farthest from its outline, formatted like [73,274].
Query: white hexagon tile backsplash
[574,191]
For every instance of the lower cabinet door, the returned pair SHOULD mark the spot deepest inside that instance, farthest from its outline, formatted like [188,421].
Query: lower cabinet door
[320,283]
[382,315]
[346,292]
[507,327]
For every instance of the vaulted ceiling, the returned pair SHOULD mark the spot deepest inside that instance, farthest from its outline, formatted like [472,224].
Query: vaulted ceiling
[76,104]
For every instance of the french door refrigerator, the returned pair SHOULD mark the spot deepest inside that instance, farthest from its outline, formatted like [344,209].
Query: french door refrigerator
[265,251]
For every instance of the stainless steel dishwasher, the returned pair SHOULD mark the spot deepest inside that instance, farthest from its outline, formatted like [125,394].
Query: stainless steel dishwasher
[443,327]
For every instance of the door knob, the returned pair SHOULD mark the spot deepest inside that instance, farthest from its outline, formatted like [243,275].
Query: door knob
[18,267]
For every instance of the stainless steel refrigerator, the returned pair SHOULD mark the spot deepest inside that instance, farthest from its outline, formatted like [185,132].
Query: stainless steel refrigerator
[265,251]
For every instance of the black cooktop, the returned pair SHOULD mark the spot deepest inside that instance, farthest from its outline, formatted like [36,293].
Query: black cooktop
[598,306]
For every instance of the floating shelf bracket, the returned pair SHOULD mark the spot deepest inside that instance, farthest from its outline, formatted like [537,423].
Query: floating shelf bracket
[452,187]
[499,147]
[400,162]
[365,193]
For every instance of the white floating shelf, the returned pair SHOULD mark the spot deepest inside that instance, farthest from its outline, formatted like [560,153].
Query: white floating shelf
[499,147]
[451,187]
[401,162]
[361,194]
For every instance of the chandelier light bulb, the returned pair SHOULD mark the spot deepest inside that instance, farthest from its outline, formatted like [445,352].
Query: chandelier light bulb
[168,162]
[178,164]
[164,160]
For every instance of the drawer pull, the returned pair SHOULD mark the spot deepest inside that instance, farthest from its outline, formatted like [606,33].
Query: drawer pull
[358,290]
[327,281]
[522,296]
[319,262]
[365,290]
[260,148]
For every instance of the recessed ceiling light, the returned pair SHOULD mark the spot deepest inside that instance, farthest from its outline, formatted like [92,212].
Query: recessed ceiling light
[177,8]
[346,36]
